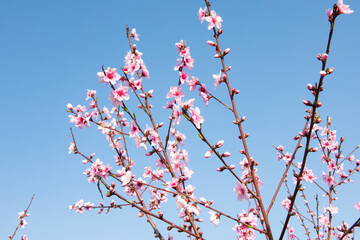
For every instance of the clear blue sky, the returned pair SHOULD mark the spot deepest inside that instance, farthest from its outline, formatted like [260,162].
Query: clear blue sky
[50,54]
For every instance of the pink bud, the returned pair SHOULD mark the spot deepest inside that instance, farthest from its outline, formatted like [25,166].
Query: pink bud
[226,51]
[318,104]
[217,56]
[226,154]
[220,31]
[208,153]
[243,119]
[69,106]
[220,169]
[235,91]
[142,95]
[324,56]
[203,200]
[310,87]
[322,73]
[314,149]
[330,70]
[231,167]
[329,13]
[134,46]
[307,102]
[161,124]
[219,144]
[211,43]
[242,151]
[228,68]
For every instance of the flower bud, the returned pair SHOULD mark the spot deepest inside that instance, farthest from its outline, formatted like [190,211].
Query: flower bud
[219,144]
[322,73]
[314,149]
[235,91]
[220,169]
[226,51]
[231,167]
[211,43]
[217,55]
[307,103]
[208,153]
[310,87]
[226,154]
[330,70]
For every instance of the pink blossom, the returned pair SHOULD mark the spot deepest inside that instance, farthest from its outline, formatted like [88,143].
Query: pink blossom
[23,214]
[287,157]
[90,93]
[176,114]
[188,61]
[357,206]
[280,148]
[133,129]
[119,95]
[126,177]
[196,118]
[342,8]
[110,76]
[241,191]
[71,147]
[202,14]
[308,175]
[192,83]
[217,79]
[329,13]
[286,203]
[184,52]
[23,223]
[175,92]
[147,172]
[214,217]
[332,210]
[328,179]
[81,121]
[134,34]
[179,45]
[213,20]
[291,233]
[187,104]
[184,76]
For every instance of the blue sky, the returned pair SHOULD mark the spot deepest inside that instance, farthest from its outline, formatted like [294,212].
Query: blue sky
[52,50]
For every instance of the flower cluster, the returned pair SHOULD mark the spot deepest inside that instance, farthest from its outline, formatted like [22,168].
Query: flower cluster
[169,173]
